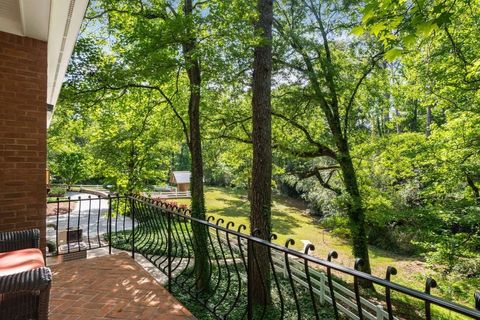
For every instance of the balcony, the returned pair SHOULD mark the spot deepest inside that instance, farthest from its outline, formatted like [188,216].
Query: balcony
[160,239]
[111,286]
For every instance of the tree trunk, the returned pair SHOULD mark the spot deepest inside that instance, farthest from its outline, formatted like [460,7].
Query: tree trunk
[378,126]
[429,121]
[249,190]
[131,171]
[200,240]
[261,194]
[397,121]
[414,126]
[475,189]
[355,211]
[385,121]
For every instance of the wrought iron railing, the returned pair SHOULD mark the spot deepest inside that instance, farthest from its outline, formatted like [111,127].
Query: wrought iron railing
[78,224]
[302,286]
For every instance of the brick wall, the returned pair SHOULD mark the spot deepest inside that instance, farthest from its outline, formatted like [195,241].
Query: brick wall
[23,96]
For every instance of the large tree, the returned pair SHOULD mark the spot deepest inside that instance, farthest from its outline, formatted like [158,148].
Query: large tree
[192,66]
[314,49]
[261,190]
[153,47]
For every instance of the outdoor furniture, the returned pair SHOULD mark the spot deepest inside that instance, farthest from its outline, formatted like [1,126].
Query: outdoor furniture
[24,279]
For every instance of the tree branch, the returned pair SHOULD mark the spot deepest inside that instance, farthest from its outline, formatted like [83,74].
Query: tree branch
[233,138]
[290,65]
[326,185]
[141,12]
[311,73]
[456,48]
[322,150]
[328,56]
[375,59]
[316,172]
[149,87]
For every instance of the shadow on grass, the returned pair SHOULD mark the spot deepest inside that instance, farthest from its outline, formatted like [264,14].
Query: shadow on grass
[283,222]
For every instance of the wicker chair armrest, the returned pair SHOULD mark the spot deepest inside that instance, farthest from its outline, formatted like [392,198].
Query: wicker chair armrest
[32,280]
[16,240]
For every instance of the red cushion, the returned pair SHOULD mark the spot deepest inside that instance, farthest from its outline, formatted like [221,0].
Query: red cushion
[20,260]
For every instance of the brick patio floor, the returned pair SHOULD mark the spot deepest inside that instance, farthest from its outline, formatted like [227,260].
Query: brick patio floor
[110,287]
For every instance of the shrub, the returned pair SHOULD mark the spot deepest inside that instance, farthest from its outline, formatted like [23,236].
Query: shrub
[57,192]
[52,247]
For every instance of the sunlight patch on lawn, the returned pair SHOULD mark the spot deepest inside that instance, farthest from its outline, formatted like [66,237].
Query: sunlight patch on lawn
[290,220]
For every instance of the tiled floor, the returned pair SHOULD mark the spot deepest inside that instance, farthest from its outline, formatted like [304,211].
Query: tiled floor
[110,287]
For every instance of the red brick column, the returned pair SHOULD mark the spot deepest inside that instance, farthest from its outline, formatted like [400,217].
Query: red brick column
[23,113]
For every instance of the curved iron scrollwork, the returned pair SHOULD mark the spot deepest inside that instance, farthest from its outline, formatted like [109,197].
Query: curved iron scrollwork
[301,285]
[390,271]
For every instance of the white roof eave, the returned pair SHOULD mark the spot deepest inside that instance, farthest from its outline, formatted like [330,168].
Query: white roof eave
[66,18]
[56,22]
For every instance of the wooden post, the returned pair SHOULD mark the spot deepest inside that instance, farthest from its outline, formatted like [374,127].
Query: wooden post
[322,288]
[379,312]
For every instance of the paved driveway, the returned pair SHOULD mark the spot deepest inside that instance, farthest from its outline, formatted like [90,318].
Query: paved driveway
[89,215]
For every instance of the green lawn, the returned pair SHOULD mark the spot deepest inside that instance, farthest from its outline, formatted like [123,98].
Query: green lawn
[290,221]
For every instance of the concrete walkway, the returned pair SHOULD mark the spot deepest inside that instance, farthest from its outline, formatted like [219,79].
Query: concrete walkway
[89,215]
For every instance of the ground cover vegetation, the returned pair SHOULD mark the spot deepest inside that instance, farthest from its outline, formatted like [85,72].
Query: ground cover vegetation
[374,112]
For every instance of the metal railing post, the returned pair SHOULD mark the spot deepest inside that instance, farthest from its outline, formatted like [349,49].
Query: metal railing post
[430,283]
[390,271]
[358,264]
[133,226]
[250,266]
[109,225]
[169,250]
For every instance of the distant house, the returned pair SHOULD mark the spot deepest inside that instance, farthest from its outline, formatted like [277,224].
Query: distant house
[181,179]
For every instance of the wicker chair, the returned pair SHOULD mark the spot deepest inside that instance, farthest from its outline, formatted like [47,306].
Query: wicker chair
[24,294]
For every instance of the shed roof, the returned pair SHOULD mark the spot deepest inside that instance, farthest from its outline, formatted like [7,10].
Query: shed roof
[181,176]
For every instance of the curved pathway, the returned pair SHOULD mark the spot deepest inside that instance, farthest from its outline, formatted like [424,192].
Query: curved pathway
[89,215]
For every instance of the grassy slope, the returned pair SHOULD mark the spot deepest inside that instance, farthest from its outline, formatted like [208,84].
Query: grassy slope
[290,221]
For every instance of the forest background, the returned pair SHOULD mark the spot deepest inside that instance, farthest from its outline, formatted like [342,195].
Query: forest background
[378,95]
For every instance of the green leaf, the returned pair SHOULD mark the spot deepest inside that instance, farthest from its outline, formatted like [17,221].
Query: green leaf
[367,14]
[409,40]
[443,19]
[358,31]
[426,28]
[393,54]
[377,28]
[395,22]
